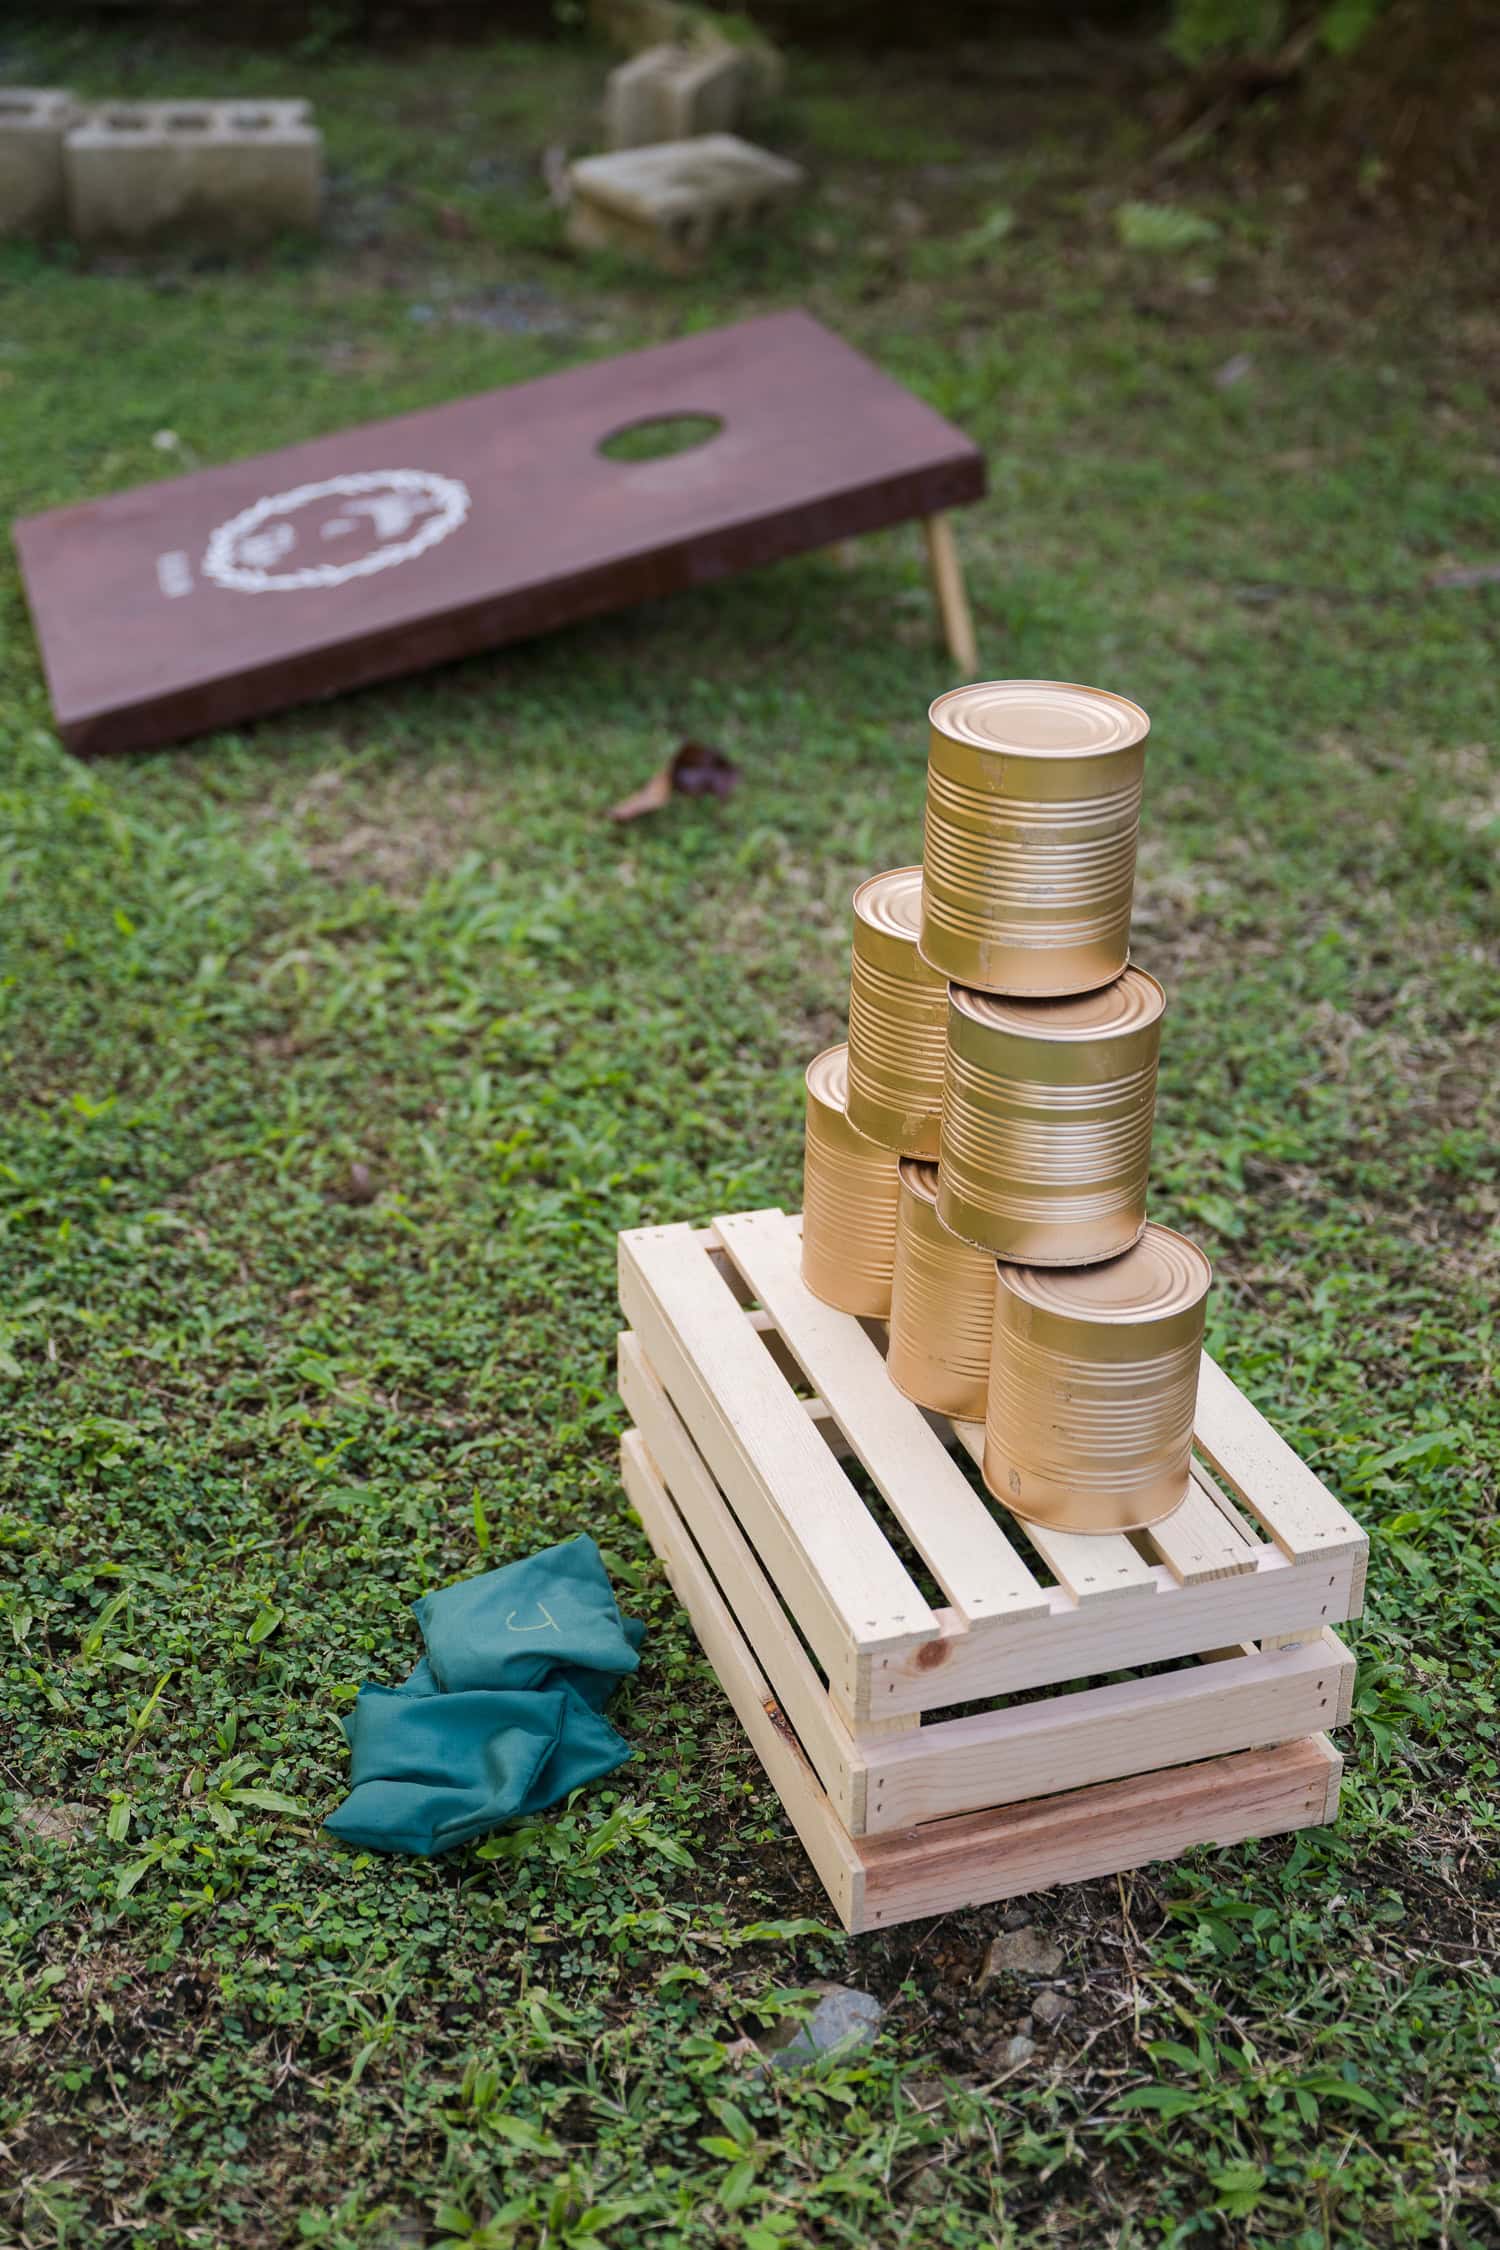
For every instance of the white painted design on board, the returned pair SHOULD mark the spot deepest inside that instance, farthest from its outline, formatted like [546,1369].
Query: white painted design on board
[174,574]
[370,522]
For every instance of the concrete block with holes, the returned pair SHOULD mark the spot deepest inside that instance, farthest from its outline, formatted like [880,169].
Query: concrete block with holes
[675,93]
[671,201]
[34,121]
[229,172]
[630,25]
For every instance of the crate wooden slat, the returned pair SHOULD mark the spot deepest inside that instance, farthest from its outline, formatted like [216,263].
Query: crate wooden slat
[1261,1470]
[938,1865]
[1093,1566]
[945,1519]
[1204,1539]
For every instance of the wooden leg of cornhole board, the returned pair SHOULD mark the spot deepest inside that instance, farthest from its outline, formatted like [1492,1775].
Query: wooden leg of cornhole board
[952,600]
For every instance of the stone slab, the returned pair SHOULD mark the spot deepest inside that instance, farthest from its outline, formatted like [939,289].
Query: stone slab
[671,201]
[34,121]
[205,600]
[148,172]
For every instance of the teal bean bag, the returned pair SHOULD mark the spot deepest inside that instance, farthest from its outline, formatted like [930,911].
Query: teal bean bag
[504,1714]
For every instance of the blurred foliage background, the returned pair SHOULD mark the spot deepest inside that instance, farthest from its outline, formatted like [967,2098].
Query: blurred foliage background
[1395,97]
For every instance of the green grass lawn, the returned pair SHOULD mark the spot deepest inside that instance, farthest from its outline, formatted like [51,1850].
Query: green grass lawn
[256,1400]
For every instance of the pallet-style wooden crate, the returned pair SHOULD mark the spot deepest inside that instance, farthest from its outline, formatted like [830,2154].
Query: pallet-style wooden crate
[749,1397]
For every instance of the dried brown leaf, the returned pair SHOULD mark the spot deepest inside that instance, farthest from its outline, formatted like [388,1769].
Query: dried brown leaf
[695,769]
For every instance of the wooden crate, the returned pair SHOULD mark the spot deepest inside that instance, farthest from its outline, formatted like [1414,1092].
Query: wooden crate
[748,1397]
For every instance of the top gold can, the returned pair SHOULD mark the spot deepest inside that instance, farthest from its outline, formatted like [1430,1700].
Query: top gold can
[1028,862]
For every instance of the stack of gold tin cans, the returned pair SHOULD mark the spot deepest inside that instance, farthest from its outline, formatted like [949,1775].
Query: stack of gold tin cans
[978,1154]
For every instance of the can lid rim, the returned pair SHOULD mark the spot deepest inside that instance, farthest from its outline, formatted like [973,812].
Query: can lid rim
[914,1172]
[1046,1288]
[1131,724]
[888,928]
[823,1092]
[1030,1016]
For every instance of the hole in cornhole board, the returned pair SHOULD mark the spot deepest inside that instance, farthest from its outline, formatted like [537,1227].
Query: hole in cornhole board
[659,436]
[206,600]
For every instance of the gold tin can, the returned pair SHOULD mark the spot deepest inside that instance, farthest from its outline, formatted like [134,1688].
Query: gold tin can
[898,1019]
[1093,1383]
[1047,1113]
[849,1191]
[942,1305]
[1028,864]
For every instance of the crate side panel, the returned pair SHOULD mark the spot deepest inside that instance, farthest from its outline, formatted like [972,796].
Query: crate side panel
[1108,1733]
[824,1839]
[1100,1831]
[773,1642]
[1081,1642]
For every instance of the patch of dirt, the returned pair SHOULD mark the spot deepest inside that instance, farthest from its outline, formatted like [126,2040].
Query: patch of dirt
[396,833]
[66,1824]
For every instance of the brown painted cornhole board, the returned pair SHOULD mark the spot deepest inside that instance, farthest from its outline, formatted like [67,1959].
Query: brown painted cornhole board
[208,599]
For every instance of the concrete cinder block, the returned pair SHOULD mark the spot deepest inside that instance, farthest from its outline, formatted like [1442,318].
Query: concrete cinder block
[33,123]
[669,202]
[631,25]
[235,172]
[675,93]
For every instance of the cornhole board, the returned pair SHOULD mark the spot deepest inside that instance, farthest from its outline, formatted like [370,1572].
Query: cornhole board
[209,599]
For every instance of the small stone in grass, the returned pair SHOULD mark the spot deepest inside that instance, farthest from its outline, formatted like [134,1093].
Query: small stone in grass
[1022,1953]
[65,1823]
[842,2020]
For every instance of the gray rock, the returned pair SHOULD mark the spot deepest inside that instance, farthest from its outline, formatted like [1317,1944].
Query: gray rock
[65,1823]
[1015,1918]
[1018,2050]
[1050,2007]
[844,2019]
[1022,1953]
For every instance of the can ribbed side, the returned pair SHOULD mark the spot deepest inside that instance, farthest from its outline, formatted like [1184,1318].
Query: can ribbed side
[849,1194]
[942,1312]
[1023,893]
[898,1039]
[1079,1441]
[1045,1173]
